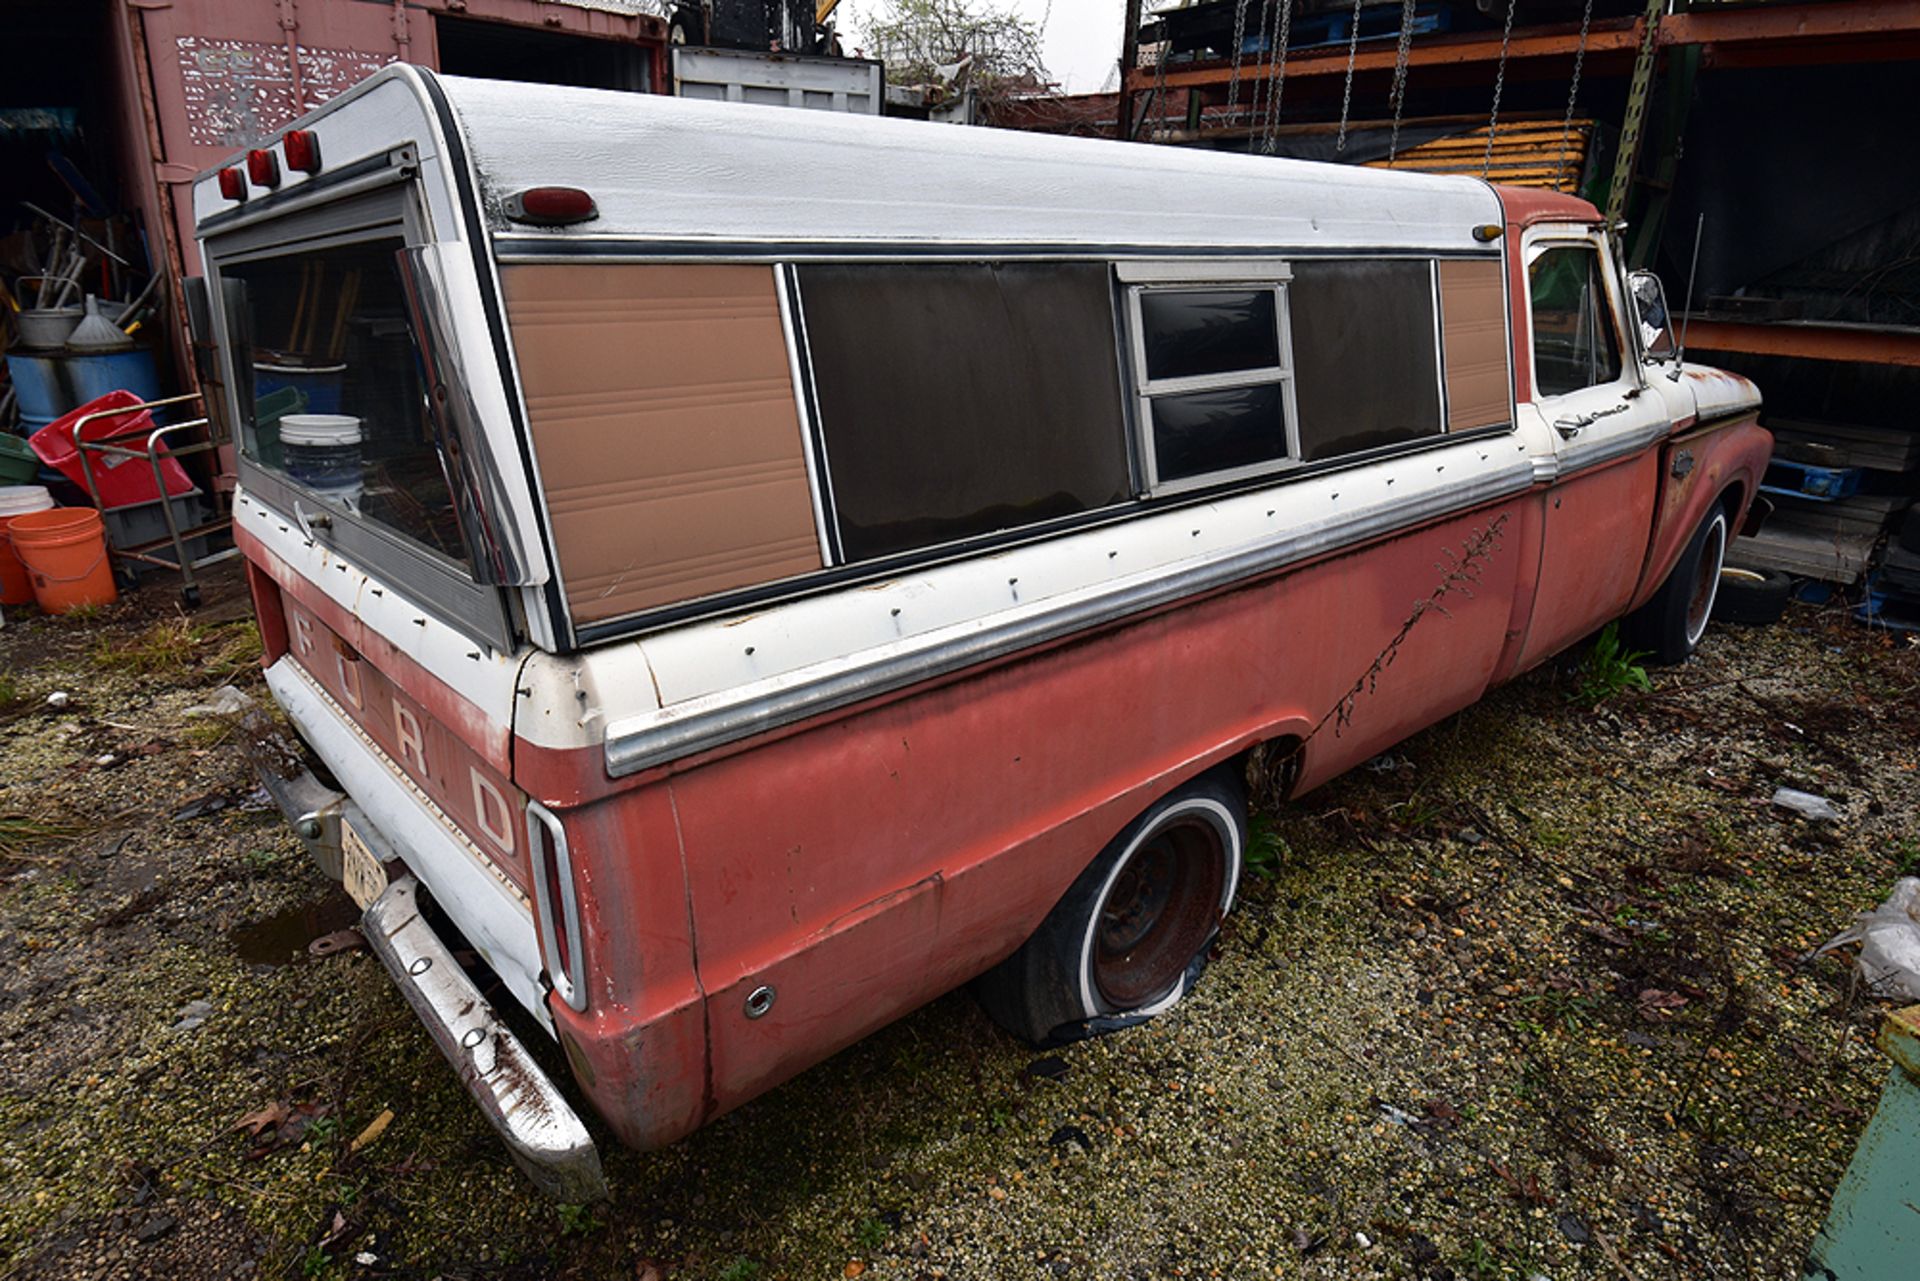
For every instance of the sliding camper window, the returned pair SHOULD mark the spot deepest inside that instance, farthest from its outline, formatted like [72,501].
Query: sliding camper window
[960,399]
[330,397]
[1243,368]
[1211,370]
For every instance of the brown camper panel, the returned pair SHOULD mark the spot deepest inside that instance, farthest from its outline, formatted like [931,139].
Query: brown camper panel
[1473,336]
[664,425]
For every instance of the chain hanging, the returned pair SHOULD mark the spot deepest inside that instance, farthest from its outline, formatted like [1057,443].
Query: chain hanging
[1346,93]
[1573,92]
[1158,102]
[1270,20]
[1398,94]
[1240,39]
[1283,38]
[1499,84]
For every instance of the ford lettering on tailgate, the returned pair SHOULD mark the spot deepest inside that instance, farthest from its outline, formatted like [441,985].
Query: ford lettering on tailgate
[481,803]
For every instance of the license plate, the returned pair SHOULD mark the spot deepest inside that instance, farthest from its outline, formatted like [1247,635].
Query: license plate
[361,870]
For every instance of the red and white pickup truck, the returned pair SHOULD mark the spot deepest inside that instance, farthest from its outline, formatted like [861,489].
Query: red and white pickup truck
[755,571]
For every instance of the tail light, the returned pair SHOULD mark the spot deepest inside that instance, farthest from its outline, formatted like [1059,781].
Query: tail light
[557,904]
[303,150]
[551,206]
[263,167]
[233,184]
[270,613]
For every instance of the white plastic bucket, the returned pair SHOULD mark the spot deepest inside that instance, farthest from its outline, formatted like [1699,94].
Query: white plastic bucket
[18,500]
[322,450]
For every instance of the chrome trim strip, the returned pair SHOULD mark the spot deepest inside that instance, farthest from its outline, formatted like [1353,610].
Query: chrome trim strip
[637,743]
[1579,456]
[543,1133]
[569,981]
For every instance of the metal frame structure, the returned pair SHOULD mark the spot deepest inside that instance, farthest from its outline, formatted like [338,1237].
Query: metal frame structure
[1670,47]
[154,450]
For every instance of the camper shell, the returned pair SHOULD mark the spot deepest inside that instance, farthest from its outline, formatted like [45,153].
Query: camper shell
[795,564]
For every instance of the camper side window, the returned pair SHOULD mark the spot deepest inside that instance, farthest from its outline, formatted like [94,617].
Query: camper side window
[1323,359]
[961,399]
[1213,375]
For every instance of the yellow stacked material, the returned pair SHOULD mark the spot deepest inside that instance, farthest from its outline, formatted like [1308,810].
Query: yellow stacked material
[1527,153]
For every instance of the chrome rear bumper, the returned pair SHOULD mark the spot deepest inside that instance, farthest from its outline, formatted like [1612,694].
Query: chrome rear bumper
[541,1130]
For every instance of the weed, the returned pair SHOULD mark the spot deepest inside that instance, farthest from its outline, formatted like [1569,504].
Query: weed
[207,731]
[999,1117]
[18,831]
[1265,848]
[870,1235]
[9,690]
[578,1220]
[1480,1260]
[1610,669]
[1417,813]
[740,1270]
[1906,858]
[174,645]
[1569,1010]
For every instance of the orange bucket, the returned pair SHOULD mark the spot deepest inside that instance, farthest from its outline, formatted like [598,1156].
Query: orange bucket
[15,587]
[65,555]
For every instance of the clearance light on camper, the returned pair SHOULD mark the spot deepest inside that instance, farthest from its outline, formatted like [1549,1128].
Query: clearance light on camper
[263,167]
[233,184]
[1487,232]
[303,150]
[551,206]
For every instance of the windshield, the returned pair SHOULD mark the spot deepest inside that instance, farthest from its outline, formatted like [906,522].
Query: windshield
[329,386]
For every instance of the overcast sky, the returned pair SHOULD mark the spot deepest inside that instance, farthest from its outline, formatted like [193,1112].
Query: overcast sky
[1081,37]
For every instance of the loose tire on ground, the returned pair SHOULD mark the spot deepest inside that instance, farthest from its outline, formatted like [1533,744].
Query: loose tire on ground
[1670,625]
[1131,935]
[1753,597]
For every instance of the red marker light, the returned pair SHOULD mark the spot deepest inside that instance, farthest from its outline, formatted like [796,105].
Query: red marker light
[263,167]
[303,150]
[551,206]
[232,185]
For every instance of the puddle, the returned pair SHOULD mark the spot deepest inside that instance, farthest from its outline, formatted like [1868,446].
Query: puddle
[281,939]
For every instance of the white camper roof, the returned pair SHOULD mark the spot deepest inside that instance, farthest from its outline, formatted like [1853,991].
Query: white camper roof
[678,170]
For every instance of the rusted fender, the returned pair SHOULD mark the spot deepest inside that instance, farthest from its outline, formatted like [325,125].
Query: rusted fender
[1698,468]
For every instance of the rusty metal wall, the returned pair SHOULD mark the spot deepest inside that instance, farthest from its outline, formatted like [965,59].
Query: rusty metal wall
[202,79]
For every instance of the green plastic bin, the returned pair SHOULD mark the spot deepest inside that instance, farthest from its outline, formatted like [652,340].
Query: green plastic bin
[18,466]
[1872,1232]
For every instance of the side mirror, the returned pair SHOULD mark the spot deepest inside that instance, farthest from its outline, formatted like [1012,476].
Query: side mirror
[1651,314]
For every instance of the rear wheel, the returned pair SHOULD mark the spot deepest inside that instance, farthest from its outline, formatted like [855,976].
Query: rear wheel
[1669,626]
[1131,935]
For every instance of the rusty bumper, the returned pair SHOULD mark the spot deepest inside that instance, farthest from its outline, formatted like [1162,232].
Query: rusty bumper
[541,1130]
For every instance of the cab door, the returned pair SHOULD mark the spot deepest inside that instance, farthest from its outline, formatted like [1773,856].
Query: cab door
[1603,424]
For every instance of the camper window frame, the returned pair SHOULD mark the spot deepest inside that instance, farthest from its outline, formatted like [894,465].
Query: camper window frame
[391,213]
[1209,275]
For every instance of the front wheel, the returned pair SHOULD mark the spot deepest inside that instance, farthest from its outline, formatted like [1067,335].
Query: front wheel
[1669,626]
[1131,935]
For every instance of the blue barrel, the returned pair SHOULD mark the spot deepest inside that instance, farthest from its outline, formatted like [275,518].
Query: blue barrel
[49,384]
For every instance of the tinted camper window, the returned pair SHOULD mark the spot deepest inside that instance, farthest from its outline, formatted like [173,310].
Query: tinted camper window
[960,399]
[1365,355]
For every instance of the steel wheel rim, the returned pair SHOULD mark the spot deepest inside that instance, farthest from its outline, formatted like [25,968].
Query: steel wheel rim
[1159,910]
[1706,581]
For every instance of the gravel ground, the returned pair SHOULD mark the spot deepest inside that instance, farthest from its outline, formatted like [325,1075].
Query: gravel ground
[1530,996]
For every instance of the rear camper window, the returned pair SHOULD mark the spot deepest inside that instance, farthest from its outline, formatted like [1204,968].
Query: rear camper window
[1366,351]
[329,386]
[961,399]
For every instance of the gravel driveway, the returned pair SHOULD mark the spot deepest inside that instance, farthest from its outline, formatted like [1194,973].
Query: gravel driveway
[1530,996]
